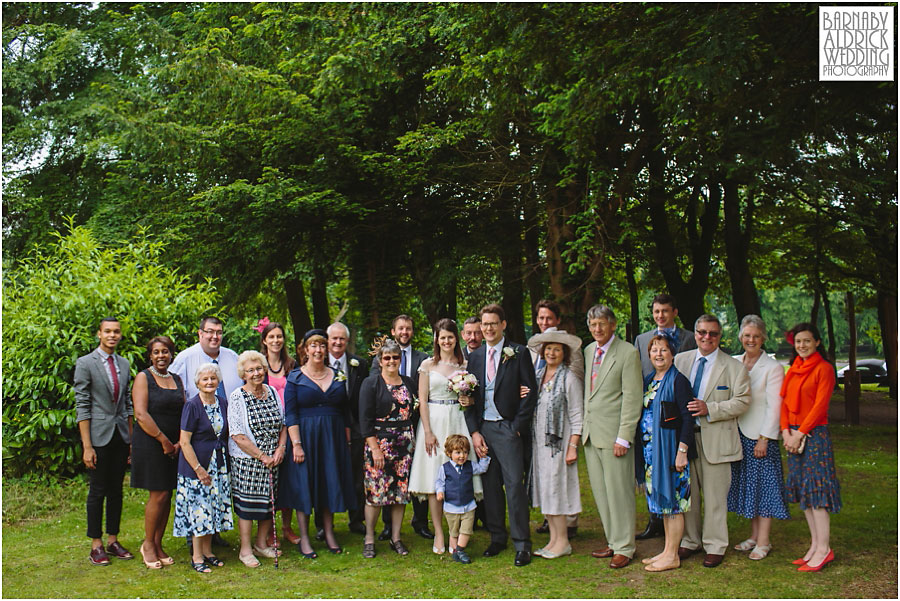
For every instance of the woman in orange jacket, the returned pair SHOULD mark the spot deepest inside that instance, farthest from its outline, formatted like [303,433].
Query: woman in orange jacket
[811,480]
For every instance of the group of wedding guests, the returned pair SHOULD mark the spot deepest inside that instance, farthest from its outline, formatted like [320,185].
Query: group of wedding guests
[484,429]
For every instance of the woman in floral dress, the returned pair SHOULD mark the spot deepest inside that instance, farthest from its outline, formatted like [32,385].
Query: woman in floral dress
[203,495]
[386,405]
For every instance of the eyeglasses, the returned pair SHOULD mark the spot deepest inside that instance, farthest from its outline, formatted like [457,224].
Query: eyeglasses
[390,358]
[710,333]
[254,370]
[219,333]
[490,324]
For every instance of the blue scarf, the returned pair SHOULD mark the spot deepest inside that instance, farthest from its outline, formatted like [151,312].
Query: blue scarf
[665,442]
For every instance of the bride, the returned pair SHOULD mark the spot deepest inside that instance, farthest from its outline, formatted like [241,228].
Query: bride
[439,417]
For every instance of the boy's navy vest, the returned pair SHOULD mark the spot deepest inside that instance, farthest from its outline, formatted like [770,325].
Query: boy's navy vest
[458,488]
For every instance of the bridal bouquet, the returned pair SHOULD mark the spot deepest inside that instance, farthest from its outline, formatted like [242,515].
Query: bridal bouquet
[462,382]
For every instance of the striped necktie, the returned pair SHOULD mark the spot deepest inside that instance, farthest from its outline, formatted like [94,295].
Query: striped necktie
[595,370]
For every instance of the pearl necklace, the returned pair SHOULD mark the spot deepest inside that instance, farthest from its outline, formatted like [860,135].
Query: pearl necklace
[158,374]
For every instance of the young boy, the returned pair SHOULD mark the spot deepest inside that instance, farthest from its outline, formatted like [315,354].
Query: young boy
[453,485]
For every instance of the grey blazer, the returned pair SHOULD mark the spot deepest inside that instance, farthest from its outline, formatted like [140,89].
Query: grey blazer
[94,398]
[685,339]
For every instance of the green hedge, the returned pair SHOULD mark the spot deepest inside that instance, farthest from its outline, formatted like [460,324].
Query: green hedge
[53,301]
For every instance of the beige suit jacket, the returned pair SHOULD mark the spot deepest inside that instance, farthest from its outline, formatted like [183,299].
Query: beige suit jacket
[613,408]
[727,397]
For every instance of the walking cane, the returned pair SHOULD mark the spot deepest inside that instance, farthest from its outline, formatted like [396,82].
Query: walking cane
[272,503]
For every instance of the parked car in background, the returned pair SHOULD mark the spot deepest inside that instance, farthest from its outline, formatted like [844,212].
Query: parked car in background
[871,371]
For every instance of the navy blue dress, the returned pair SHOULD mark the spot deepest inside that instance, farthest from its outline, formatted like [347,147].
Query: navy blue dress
[323,481]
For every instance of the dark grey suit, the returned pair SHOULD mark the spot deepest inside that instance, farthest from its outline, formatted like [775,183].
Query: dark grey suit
[686,342]
[505,442]
[110,436]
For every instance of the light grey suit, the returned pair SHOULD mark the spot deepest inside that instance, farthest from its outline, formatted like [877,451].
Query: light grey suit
[94,398]
[727,397]
[611,412]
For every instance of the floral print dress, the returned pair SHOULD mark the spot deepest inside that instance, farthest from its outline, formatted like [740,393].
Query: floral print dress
[200,509]
[681,481]
[390,485]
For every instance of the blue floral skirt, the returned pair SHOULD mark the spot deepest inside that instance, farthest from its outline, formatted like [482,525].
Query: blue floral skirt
[681,481]
[202,510]
[757,485]
[812,480]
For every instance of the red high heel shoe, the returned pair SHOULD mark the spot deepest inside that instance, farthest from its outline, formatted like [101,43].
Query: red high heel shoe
[799,562]
[828,559]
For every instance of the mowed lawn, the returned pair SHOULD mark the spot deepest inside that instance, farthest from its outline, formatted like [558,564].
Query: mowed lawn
[45,552]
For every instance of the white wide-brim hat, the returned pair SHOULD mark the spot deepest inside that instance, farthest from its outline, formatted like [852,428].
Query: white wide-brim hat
[558,336]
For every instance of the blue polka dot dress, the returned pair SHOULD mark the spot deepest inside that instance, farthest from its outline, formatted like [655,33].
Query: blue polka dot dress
[757,485]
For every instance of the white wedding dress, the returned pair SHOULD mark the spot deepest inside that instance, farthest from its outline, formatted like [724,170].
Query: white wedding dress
[446,418]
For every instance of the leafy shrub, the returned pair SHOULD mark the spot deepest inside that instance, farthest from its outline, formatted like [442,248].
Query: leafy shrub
[53,301]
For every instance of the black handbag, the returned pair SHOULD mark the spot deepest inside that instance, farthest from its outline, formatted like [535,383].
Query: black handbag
[671,416]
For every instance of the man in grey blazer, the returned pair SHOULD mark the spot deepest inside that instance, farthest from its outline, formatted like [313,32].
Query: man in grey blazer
[104,414]
[612,407]
[665,310]
[721,394]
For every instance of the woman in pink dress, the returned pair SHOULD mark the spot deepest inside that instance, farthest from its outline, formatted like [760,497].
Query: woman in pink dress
[271,344]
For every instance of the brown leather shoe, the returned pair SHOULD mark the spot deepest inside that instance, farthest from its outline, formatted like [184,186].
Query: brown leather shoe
[99,557]
[712,560]
[619,561]
[684,552]
[602,553]
[118,551]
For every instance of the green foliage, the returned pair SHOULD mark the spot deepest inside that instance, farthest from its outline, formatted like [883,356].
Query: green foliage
[53,302]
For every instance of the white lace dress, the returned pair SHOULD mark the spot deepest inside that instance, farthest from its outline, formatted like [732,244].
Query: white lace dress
[446,418]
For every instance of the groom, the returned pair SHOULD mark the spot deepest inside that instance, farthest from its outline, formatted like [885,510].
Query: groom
[496,421]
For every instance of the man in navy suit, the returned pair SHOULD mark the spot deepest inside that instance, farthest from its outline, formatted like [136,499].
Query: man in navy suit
[496,420]
[104,414]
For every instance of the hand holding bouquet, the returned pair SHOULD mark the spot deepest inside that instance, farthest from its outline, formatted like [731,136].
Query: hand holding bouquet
[463,383]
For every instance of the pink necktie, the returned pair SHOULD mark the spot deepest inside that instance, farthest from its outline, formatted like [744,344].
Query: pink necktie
[115,379]
[595,370]
[491,368]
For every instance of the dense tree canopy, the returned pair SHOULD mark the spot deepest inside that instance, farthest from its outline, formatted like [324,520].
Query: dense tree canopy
[455,154]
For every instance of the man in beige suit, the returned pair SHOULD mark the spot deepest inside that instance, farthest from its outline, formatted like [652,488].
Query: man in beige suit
[721,394]
[612,407]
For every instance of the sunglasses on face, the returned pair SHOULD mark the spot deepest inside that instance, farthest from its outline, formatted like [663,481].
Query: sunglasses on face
[390,358]
[710,333]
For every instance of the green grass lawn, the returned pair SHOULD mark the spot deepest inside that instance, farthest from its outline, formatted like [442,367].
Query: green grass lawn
[45,552]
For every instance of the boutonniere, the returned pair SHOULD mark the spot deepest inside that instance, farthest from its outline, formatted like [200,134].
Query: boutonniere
[354,363]
[508,353]
[340,376]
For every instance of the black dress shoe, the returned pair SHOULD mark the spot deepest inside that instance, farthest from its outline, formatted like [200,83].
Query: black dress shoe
[320,534]
[385,534]
[572,531]
[494,549]
[523,558]
[218,541]
[357,528]
[424,532]
[654,528]
[543,528]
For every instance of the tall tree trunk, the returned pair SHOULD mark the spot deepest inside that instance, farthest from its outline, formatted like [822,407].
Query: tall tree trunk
[511,273]
[700,225]
[829,323]
[534,266]
[814,313]
[737,246]
[634,325]
[887,319]
[321,317]
[296,302]
[851,376]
